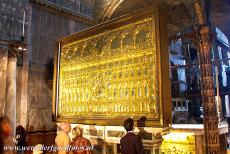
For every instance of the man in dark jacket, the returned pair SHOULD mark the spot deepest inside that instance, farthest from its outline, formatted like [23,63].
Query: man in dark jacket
[131,143]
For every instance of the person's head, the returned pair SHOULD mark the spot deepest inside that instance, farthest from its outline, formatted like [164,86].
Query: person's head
[20,130]
[129,124]
[141,122]
[77,131]
[65,126]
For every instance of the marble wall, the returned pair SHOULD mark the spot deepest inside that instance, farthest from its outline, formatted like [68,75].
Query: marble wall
[44,25]
[11,17]
[10,102]
[46,28]
[8,83]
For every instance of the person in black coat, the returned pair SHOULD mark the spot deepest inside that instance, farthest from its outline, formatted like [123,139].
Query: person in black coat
[21,136]
[131,143]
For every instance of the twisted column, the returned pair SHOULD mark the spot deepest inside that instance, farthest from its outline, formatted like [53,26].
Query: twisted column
[211,130]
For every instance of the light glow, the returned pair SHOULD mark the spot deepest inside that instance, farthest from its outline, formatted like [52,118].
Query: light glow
[188,126]
[19,48]
[178,136]
[177,142]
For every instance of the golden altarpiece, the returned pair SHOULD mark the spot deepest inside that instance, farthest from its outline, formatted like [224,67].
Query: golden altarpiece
[113,71]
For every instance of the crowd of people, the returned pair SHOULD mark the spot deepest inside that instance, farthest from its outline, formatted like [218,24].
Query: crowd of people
[130,143]
[78,145]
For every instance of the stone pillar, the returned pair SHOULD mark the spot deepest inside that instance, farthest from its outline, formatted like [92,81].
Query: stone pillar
[3,68]
[10,105]
[115,148]
[104,148]
[24,90]
[211,131]
[25,69]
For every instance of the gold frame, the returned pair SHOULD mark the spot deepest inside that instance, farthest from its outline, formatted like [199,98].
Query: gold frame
[162,60]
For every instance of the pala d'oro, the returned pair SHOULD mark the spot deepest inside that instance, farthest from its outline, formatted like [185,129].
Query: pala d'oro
[105,75]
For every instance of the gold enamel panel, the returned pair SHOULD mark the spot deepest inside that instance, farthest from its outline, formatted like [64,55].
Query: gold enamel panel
[110,75]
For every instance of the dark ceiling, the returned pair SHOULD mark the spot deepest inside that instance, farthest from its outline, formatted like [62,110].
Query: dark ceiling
[181,13]
[178,19]
[220,13]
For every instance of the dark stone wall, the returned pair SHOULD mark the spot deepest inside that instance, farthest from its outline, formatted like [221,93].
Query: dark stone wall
[46,28]
[11,16]
[11,21]
[43,27]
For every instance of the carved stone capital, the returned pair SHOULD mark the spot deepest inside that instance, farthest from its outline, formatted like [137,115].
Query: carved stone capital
[205,44]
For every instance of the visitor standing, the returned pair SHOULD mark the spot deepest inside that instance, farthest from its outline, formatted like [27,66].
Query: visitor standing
[80,144]
[131,143]
[21,136]
[62,139]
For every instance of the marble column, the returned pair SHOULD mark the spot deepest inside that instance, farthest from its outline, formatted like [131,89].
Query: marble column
[24,90]
[3,68]
[10,105]
[25,69]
